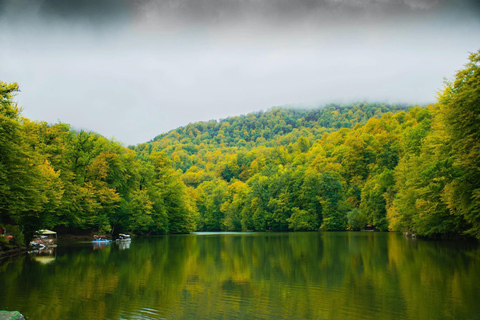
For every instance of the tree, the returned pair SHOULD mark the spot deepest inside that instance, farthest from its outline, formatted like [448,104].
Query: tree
[174,197]
[333,208]
[29,187]
[373,203]
[460,113]
[233,206]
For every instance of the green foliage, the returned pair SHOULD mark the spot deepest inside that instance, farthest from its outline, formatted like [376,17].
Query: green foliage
[51,176]
[211,196]
[459,106]
[302,220]
[338,167]
[331,168]
[4,242]
[437,181]
[356,219]
[17,238]
[281,170]
[188,145]
[374,199]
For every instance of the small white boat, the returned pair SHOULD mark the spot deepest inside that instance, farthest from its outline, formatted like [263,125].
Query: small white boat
[36,245]
[124,237]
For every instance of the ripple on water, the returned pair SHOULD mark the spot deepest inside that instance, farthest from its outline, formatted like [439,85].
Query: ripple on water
[142,314]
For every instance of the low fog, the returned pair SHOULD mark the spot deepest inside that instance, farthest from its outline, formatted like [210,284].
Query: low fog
[131,70]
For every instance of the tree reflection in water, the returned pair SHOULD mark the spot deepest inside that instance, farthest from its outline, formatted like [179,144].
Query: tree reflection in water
[261,275]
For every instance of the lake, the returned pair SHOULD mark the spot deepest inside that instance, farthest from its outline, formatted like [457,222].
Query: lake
[316,275]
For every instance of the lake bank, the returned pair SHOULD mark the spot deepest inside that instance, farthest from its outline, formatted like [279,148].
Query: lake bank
[6,253]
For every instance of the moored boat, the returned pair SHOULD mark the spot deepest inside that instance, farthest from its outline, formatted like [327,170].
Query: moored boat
[100,239]
[124,237]
[44,238]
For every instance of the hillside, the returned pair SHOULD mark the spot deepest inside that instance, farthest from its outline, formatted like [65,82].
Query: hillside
[255,129]
[335,168]
[275,127]
[316,169]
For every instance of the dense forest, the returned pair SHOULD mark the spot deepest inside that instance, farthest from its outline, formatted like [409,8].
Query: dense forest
[52,176]
[339,167]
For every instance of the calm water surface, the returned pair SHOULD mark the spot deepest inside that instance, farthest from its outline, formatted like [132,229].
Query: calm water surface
[342,275]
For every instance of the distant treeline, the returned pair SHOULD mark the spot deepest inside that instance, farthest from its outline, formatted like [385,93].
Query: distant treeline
[341,167]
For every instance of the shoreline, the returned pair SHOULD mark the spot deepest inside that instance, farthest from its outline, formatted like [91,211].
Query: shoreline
[12,252]
[75,237]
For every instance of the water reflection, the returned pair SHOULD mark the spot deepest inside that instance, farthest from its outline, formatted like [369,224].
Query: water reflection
[45,255]
[101,245]
[123,245]
[251,276]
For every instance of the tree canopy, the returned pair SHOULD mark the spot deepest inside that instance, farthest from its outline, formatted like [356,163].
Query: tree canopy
[337,167]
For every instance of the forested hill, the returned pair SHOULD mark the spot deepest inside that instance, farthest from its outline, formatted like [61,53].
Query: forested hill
[279,125]
[331,169]
[335,168]
[339,167]
[275,127]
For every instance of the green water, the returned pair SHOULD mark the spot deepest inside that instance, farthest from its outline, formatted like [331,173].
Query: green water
[249,276]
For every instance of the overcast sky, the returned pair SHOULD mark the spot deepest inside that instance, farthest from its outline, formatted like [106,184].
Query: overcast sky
[132,69]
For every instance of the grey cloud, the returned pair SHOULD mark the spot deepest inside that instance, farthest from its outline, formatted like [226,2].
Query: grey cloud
[103,12]
[278,11]
[422,4]
[132,69]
